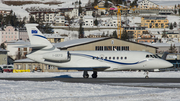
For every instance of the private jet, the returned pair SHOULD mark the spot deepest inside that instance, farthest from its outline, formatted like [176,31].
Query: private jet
[44,52]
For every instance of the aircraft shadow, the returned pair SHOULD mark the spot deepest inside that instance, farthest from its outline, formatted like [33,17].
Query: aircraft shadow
[63,76]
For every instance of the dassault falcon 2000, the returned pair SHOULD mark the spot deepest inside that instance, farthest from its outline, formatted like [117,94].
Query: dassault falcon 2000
[44,52]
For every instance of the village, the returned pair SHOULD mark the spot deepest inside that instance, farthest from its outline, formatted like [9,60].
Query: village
[125,24]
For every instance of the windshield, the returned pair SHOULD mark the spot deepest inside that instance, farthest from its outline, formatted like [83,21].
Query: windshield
[4,66]
[10,67]
[151,56]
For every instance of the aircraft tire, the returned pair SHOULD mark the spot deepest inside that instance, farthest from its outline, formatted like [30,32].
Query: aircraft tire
[94,75]
[86,76]
[146,77]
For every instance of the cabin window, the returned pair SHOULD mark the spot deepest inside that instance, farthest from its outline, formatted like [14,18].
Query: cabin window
[147,56]
[93,57]
[117,58]
[106,58]
[97,58]
[109,57]
[102,58]
[113,58]
[121,58]
[125,57]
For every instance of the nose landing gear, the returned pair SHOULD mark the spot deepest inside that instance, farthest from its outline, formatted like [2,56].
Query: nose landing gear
[146,73]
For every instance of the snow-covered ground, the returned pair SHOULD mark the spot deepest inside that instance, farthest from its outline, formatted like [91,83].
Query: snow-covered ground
[20,10]
[61,91]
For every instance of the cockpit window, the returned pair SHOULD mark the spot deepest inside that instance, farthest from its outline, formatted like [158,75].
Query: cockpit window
[151,56]
[155,56]
[158,56]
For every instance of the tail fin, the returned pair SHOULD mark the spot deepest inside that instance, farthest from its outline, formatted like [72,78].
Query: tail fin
[36,37]
[164,55]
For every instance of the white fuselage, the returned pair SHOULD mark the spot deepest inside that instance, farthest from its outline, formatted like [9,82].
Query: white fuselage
[116,60]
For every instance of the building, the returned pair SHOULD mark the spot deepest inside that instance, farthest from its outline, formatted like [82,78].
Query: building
[146,4]
[88,11]
[59,20]
[103,44]
[136,31]
[71,12]
[146,38]
[54,38]
[23,35]
[3,57]
[88,21]
[173,34]
[154,21]
[8,34]
[45,16]
[15,52]
[25,64]
[5,12]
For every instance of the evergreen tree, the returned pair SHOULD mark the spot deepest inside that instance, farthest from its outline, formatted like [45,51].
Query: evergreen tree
[1,20]
[115,34]
[172,49]
[94,14]
[164,35]
[47,29]
[80,9]
[95,2]
[31,20]
[174,24]
[134,3]
[175,11]
[80,2]
[3,46]
[106,4]
[81,32]
[96,22]
[171,26]
[124,35]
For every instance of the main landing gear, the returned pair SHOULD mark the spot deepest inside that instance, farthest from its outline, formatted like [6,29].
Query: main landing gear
[86,75]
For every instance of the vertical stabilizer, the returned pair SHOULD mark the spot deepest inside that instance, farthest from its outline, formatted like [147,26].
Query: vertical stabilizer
[36,37]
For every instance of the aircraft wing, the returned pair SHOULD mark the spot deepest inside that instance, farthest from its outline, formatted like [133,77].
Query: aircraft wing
[84,68]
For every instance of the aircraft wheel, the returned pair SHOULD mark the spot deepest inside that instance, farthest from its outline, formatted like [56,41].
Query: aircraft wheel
[94,75]
[146,77]
[85,74]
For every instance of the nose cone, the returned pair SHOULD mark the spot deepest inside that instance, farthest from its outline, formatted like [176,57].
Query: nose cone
[165,64]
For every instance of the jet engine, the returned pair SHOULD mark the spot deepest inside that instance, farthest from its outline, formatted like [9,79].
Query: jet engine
[61,56]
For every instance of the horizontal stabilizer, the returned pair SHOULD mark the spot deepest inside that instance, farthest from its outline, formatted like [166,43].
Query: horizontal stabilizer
[31,46]
[84,68]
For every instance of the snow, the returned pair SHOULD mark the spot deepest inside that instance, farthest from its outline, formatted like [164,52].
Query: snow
[62,91]
[20,10]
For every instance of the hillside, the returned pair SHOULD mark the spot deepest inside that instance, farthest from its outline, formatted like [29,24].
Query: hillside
[20,9]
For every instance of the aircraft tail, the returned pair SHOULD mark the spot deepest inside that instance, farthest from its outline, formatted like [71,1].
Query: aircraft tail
[164,55]
[36,37]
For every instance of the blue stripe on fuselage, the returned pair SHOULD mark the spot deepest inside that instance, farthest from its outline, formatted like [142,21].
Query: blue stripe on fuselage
[40,36]
[110,60]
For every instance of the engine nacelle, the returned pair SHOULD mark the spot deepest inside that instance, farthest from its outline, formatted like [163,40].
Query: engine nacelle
[61,56]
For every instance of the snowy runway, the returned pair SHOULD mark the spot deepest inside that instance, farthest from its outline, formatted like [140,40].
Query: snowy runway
[62,91]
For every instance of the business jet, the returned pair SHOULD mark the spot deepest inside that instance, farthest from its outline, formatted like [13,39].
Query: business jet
[44,52]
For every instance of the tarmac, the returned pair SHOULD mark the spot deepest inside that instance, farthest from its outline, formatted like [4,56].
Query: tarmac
[133,82]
